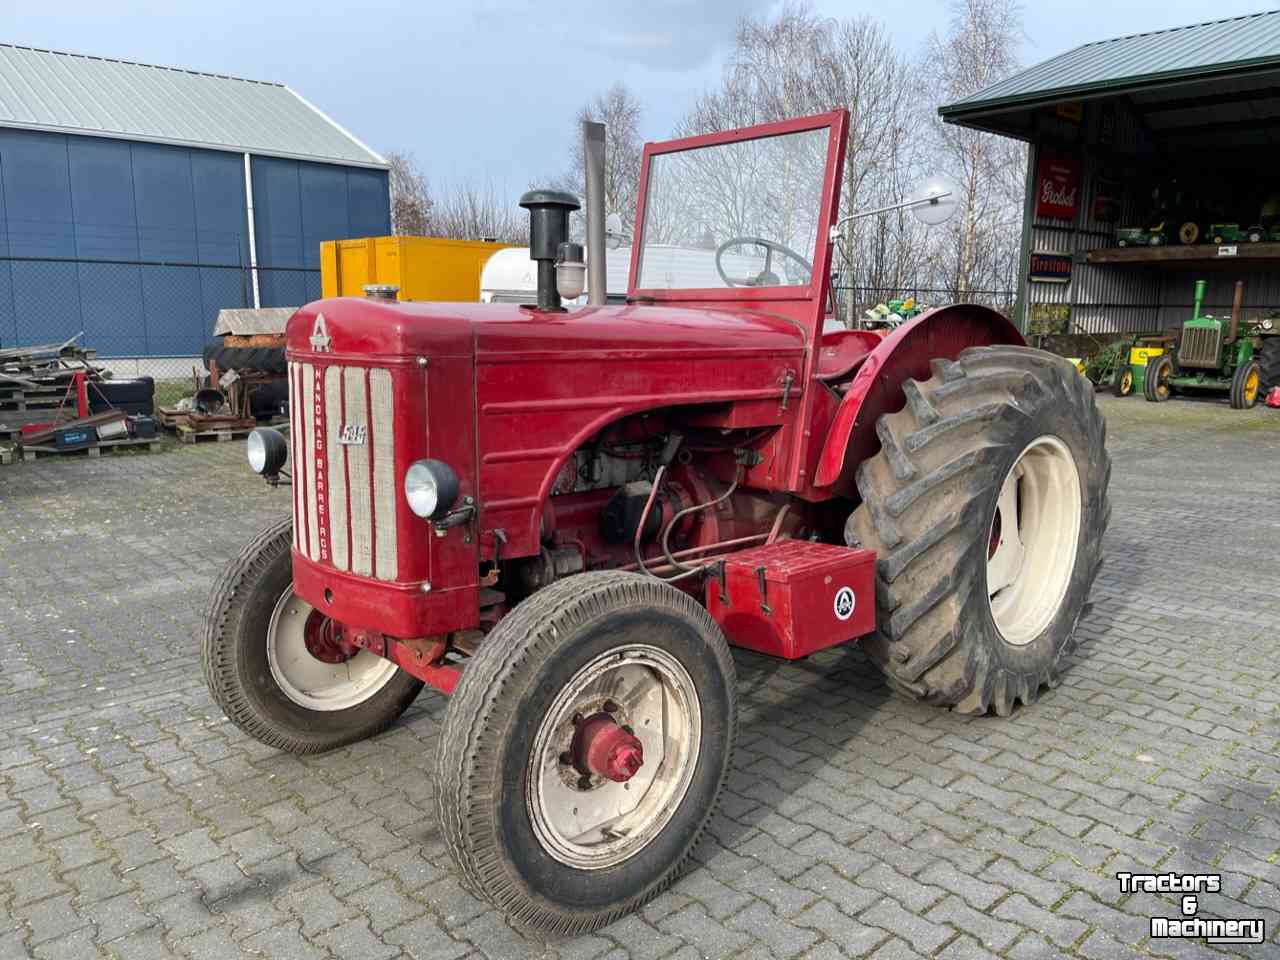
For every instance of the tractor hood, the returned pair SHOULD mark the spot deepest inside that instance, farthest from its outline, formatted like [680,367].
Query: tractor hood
[500,332]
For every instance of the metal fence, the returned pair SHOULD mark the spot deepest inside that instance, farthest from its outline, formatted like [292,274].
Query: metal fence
[143,317]
[154,317]
[866,298]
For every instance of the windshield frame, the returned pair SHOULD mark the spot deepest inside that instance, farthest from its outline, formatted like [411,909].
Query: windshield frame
[835,123]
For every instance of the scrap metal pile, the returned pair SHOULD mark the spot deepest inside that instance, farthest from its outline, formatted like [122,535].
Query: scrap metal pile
[55,398]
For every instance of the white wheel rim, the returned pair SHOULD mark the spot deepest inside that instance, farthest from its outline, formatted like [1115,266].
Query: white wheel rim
[605,823]
[313,683]
[1035,532]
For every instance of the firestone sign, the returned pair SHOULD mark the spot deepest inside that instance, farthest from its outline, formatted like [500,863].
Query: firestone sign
[1057,186]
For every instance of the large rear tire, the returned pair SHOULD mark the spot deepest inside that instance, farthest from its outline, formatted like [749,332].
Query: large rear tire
[1269,362]
[987,506]
[554,845]
[261,671]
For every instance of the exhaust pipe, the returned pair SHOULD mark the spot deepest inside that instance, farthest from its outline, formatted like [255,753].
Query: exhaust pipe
[593,135]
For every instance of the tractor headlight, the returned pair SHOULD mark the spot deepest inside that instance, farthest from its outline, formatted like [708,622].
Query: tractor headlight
[1267,324]
[430,487]
[267,451]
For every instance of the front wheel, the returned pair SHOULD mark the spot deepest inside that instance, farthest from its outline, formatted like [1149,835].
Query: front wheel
[584,749]
[280,670]
[1155,385]
[1122,382]
[1246,385]
[987,507]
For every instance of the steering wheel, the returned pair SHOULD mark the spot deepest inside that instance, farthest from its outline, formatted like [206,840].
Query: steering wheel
[766,277]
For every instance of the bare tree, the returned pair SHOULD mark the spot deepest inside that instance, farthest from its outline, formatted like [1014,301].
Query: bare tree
[619,110]
[470,211]
[410,196]
[978,49]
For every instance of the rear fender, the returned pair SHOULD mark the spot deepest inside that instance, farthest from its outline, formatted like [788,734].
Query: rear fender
[877,387]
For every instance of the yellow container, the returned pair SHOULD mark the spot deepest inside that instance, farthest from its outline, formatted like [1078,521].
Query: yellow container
[424,268]
[1138,356]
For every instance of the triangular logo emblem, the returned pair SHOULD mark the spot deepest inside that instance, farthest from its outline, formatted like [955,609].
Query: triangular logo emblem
[320,335]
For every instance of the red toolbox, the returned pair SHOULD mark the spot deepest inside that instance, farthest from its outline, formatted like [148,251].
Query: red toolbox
[793,597]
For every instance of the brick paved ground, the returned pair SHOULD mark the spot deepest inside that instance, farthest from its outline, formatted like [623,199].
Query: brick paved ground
[136,822]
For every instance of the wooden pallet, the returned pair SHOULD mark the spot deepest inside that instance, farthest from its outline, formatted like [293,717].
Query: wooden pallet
[19,401]
[190,434]
[92,450]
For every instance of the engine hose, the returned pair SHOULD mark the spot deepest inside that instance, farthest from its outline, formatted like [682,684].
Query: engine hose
[666,533]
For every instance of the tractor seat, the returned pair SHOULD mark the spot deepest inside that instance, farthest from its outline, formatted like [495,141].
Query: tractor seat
[840,352]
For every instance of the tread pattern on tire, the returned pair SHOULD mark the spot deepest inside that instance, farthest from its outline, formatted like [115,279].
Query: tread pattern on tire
[1236,395]
[507,657]
[261,359]
[1269,361]
[219,663]
[921,497]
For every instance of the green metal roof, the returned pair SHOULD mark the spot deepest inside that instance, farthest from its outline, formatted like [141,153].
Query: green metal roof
[1142,59]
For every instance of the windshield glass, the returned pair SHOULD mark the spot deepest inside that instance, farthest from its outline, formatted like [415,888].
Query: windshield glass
[741,214]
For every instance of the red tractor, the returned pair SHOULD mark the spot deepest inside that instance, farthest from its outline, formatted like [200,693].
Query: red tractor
[563,518]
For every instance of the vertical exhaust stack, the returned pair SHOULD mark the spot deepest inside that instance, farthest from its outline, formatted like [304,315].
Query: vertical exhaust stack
[593,136]
[548,228]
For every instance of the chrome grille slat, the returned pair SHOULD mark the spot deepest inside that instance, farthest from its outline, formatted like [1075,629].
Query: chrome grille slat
[358,495]
[313,492]
[382,446]
[344,495]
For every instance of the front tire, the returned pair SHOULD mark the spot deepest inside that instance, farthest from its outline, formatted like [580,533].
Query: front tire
[987,506]
[1122,381]
[1246,385]
[553,844]
[1155,385]
[260,669]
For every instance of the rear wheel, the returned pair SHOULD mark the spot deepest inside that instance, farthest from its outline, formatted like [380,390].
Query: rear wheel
[1269,363]
[584,749]
[1155,385]
[1189,232]
[987,505]
[281,670]
[1246,385]
[1122,381]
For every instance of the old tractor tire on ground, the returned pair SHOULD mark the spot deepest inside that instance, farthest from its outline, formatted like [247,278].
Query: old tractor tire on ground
[1246,385]
[1155,386]
[260,359]
[1269,363]
[987,506]
[558,847]
[261,671]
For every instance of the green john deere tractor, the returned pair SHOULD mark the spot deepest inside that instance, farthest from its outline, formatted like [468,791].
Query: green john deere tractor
[1219,354]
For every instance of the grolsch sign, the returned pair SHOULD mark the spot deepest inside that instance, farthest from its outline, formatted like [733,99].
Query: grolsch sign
[1057,186]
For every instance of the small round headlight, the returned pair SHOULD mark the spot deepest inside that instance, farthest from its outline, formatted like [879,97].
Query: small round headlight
[430,487]
[1267,324]
[267,451]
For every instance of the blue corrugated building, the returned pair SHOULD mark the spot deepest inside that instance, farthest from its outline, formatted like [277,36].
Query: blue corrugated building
[136,201]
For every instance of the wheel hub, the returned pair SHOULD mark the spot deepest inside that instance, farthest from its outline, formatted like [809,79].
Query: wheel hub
[603,747]
[325,641]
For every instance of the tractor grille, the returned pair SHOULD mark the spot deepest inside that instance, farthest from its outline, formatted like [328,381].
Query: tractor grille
[1200,347]
[344,493]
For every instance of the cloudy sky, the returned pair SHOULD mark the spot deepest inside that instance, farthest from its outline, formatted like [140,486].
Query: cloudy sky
[487,89]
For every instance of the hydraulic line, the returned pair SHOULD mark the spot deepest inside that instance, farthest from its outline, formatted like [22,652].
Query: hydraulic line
[696,508]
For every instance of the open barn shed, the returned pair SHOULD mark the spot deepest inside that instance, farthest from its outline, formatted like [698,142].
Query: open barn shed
[136,201]
[1150,167]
